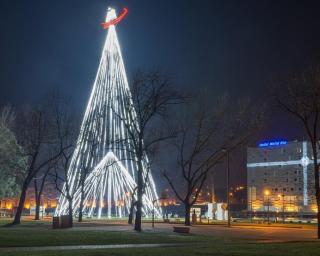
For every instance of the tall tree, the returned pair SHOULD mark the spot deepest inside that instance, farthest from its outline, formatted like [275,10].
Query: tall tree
[61,176]
[39,182]
[85,168]
[300,96]
[152,94]
[37,134]
[62,121]
[65,124]
[12,159]
[206,135]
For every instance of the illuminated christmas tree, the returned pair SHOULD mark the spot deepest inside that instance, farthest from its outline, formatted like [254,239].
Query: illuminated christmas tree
[102,152]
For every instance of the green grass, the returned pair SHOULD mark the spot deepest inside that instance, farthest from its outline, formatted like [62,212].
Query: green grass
[11,237]
[31,233]
[4,221]
[221,249]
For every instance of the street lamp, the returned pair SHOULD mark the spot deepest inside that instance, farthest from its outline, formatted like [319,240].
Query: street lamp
[283,218]
[228,186]
[251,203]
[153,210]
[267,193]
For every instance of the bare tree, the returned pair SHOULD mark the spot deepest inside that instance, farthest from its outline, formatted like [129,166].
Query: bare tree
[133,204]
[36,136]
[152,93]
[300,96]
[65,122]
[42,133]
[62,165]
[90,138]
[39,183]
[86,168]
[206,134]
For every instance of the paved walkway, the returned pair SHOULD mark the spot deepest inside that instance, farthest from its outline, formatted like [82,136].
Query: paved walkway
[86,247]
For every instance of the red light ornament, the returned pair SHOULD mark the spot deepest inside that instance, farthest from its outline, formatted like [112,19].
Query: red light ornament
[124,13]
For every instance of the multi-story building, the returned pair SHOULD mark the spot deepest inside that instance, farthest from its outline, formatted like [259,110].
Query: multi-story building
[280,177]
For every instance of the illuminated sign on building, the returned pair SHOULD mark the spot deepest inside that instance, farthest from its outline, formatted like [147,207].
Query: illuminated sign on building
[272,143]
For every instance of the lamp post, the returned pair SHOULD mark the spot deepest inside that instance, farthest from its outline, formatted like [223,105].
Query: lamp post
[267,193]
[251,203]
[153,202]
[283,209]
[153,211]
[228,186]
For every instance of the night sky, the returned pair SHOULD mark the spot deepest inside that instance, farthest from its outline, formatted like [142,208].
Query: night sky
[217,46]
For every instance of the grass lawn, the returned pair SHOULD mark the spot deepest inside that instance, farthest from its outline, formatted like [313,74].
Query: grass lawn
[40,234]
[13,237]
[221,249]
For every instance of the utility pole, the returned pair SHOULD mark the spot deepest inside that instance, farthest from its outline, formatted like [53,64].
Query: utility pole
[152,214]
[283,217]
[251,203]
[228,190]
[268,210]
[267,194]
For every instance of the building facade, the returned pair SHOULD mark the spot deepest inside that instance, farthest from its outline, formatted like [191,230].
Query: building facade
[280,178]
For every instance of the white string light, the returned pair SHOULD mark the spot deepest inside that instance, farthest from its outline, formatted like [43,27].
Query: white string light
[109,186]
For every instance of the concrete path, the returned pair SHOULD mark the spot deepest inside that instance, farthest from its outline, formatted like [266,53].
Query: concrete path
[86,247]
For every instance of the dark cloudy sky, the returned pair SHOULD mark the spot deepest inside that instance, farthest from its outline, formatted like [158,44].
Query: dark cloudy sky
[233,46]
[221,46]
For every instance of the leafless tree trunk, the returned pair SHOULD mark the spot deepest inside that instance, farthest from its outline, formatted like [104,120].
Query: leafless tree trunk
[152,94]
[133,204]
[35,140]
[63,164]
[86,168]
[300,96]
[38,191]
[43,139]
[31,172]
[80,217]
[203,141]
[65,126]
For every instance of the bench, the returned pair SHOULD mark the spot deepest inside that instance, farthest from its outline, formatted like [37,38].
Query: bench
[185,230]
